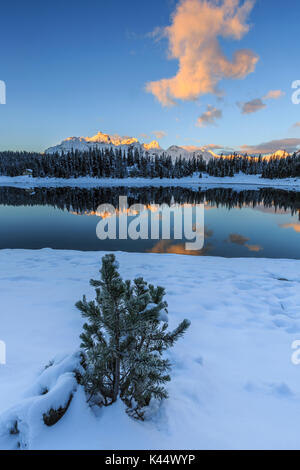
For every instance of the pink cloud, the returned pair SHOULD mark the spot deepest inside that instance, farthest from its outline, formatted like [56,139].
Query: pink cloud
[290,145]
[209,116]
[193,38]
[274,95]
[159,134]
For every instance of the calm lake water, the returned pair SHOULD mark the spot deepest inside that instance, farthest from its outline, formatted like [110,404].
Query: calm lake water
[264,223]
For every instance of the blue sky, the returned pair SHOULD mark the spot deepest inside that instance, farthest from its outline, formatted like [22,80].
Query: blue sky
[74,68]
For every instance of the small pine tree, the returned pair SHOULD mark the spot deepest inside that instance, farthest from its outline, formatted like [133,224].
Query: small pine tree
[124,340]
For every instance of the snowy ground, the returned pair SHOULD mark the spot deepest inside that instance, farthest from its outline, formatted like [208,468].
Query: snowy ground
[238,181]
[233,386]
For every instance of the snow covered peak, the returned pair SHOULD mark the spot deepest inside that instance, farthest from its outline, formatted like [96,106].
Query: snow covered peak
[153,145]
[103,141]
[116,140]
[189,151]
[174,148]
[101,138]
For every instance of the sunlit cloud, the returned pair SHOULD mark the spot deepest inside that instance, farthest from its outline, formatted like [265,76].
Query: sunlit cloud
[255,248]
[168,246]
[274,95]
[214,147]
[290,145]
[296,125]
[194,148]
[257,104]
[240,240]
[209,117]
[159,134]
[237,239]
[210,147]
[252,106]
[144,136]
[193,39]
[295,226]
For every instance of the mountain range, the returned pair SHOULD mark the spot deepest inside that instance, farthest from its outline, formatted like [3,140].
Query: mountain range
[103,141]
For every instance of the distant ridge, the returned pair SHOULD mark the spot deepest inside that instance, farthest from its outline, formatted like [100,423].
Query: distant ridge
[102,141]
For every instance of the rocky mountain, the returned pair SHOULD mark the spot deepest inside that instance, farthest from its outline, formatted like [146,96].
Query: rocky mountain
[102,141]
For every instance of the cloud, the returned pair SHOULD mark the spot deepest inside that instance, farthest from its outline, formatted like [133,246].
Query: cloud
[211,148]
[252,106]
[254,248]
[193,39]
[296,125]
[168,246]
[214,147]
[157,34]
[237,239]
[257,104]
[290,145]
[295,227]
[159,134]
[274,95]
[240,240]
[144,136]
[209,116]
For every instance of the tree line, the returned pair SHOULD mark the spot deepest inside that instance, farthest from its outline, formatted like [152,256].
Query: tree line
[115,163]
[87,200]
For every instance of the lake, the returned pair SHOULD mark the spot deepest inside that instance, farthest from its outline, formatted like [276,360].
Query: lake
[248,223]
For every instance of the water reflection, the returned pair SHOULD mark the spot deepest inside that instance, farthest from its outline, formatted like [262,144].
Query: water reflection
[295,227]
[238,239]
[255,223]
[84,200]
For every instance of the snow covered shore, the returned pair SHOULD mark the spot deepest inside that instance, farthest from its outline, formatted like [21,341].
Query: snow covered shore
[238,181]
[234,384]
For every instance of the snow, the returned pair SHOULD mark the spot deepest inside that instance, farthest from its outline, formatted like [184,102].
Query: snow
[240,181]
[52,390]
[105,141]
[233,383]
